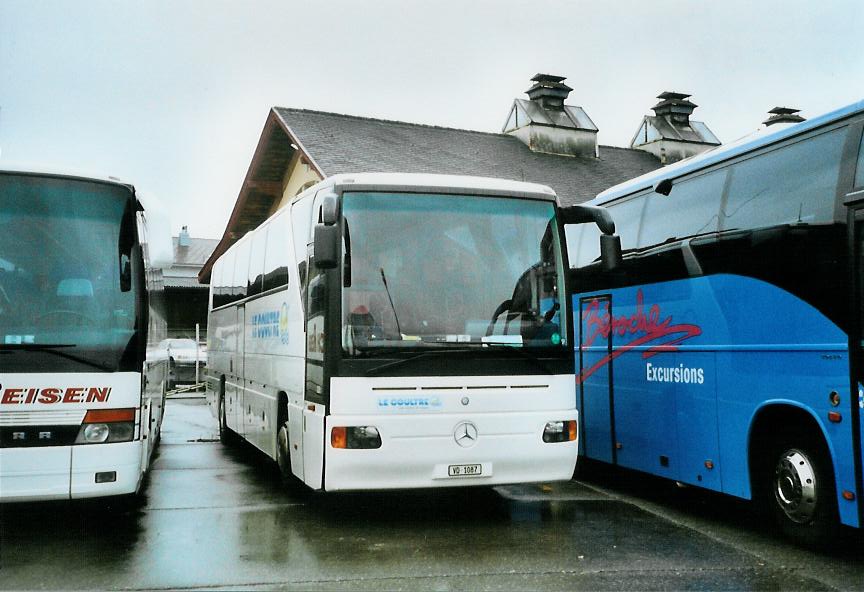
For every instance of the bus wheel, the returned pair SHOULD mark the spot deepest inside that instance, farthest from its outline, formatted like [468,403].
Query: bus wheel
[802,495]
[283,451]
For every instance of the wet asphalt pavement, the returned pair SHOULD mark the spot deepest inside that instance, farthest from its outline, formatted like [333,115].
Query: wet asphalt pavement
[215,517]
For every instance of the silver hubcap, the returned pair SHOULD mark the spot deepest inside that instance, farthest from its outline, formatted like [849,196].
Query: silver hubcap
[795,486]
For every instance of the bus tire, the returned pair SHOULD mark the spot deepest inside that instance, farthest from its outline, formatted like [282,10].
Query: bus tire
[798,486]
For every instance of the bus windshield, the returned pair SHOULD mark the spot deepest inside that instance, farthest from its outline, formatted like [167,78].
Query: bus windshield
[66,296]
[426,270]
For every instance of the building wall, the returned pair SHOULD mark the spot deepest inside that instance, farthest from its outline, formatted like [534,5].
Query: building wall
[551,140]
[298,176]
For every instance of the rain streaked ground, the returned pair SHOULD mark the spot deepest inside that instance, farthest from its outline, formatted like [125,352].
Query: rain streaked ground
[216,517]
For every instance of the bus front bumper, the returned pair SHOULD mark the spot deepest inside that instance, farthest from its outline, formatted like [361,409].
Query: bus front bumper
[64,472]
[423,452]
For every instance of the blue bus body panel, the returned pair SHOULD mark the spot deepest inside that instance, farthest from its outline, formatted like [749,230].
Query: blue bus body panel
[693,362]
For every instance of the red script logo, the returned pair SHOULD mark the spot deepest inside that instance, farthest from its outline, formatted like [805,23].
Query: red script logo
[646,329]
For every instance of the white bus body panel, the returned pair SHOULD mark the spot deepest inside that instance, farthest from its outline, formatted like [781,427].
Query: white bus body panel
[417,418]
[61,472]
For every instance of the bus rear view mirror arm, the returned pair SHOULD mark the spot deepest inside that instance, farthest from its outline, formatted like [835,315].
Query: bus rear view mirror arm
[581,214]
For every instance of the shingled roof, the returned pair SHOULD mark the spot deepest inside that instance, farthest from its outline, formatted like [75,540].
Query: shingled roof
[332,143]
[348,144]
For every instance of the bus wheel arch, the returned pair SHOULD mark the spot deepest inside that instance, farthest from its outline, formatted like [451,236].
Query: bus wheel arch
[792,474]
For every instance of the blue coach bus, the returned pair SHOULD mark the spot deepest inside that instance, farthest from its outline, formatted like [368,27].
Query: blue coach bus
[726,351]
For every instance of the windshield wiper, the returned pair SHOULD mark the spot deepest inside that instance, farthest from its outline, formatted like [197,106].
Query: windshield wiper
[52,348]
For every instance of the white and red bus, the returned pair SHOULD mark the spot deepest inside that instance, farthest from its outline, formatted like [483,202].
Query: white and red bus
[80,302]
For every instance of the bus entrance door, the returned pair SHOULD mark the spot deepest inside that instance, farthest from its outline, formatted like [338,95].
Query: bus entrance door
[855,224]
[594,399]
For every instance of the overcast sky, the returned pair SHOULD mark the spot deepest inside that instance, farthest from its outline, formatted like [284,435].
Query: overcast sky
[172,95]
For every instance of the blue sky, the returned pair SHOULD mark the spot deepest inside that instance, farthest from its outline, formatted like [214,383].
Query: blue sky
[172,95]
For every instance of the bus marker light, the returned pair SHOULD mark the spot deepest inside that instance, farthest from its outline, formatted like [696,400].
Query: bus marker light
[848,496]
[834,397]
[106,477]
[709,464]
[835,417]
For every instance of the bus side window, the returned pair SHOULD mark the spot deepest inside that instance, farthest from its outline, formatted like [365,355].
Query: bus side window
[241,272]
[276,259]
[588,248]
[628,218]
[256,262]
[223,291]
[301,227]
[859,168]
[796,183]
[215,279]
[691,208]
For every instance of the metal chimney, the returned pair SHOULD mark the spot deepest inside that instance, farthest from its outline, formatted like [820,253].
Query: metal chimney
[783,115]
[676,106]
[549,91]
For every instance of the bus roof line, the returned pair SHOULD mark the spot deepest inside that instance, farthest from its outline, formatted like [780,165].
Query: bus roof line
[749,143]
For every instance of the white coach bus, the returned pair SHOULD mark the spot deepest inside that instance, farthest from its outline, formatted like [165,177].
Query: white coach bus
[402,331]
[80,405]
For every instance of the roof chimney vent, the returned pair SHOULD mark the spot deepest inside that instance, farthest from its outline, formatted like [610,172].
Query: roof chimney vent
[670,134]
[676,106]
[549,91]
[545,124]
[183,239]
[783,115]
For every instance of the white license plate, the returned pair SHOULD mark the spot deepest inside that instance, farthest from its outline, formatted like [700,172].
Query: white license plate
[464,470]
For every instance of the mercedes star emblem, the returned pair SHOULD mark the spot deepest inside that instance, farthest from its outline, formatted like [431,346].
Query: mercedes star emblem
[465,434]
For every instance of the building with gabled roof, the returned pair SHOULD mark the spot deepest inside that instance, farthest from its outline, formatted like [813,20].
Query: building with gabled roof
[550,143]
[185,297]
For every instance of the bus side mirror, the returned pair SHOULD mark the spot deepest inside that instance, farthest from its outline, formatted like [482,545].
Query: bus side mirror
[610,251]
[326,246]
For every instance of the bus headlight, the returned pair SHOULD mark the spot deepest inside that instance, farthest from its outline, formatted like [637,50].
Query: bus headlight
[107,425]
[355,437]
[560,431]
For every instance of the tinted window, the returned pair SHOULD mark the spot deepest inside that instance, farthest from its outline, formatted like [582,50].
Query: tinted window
[215,281]
[796,183]
[222,293]
[588,247]
[626,215]
[859,169]
[256,262]
[301,221]
[691,208]
[276,259]
[241,272]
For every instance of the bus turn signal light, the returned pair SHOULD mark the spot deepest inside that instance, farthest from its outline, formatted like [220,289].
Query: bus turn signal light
[355,437]
[109,415]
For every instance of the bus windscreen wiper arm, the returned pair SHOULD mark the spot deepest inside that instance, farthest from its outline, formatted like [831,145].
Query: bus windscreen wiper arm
[390,298]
